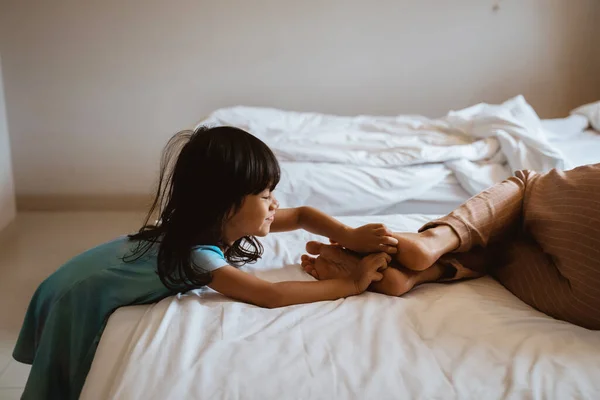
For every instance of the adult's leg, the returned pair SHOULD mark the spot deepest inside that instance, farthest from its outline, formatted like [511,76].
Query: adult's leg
[562,215]
[548,227]
[488,218]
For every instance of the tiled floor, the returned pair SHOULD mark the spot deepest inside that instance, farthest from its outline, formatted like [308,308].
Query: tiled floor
[31,249]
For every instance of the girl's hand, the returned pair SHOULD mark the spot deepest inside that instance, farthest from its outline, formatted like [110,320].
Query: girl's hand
[371,238]
[369,270]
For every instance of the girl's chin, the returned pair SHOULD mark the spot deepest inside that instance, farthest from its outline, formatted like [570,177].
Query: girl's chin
[264,230]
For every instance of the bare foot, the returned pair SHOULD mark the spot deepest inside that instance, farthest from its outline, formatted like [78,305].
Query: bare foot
[419,251]
[414,251]
[333,261]
[396,281]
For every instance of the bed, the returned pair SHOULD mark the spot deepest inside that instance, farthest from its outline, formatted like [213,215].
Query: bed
[468,340]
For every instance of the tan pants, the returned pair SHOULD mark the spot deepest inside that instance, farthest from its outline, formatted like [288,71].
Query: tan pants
[539,236]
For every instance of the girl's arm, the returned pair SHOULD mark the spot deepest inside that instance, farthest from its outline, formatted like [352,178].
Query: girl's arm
[242,286]
[311,220]
[366,239]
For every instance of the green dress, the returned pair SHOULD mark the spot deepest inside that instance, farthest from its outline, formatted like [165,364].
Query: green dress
[69,310]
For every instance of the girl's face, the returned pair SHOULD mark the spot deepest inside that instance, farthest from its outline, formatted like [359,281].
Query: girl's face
[254,218]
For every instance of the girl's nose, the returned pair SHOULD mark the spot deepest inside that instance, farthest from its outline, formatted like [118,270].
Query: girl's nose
[274,204]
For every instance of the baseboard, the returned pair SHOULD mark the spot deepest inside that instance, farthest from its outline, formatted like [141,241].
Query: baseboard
[136,202]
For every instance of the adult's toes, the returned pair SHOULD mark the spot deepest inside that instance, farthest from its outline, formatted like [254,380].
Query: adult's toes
[310,269]
[307,260]
[314,247]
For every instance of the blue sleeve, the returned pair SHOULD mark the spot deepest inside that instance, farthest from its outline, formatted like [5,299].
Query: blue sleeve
[209,258]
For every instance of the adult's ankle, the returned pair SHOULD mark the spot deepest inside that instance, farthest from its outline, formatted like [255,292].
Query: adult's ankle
[441,239]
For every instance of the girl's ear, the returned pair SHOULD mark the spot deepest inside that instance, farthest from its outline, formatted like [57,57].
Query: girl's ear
[229,214]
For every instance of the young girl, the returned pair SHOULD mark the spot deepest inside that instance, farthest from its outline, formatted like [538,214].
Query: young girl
[213,202]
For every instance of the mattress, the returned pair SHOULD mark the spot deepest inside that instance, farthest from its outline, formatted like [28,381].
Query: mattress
[467,340]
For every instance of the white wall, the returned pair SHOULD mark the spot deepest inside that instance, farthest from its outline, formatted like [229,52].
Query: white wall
[95,88]
[7,192]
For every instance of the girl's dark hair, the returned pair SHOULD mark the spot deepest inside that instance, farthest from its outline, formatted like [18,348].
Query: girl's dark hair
[215,170]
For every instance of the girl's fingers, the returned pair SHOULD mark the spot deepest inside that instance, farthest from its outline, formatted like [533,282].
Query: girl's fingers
[383,256]
[388,249]
[389,240]
[384,231]
[378,261]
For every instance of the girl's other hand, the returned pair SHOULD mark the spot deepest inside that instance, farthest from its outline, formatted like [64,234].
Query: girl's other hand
[371,238]
[369,270]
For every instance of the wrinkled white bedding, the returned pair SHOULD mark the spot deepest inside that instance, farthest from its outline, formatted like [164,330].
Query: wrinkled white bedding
[347,185]
[482,144]
[469,340]
[340,189]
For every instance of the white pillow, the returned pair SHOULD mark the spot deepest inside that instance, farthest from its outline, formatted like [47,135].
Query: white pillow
[591,112]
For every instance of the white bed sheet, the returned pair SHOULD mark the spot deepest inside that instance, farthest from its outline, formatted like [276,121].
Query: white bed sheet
[481,144]
[579,148]
[469,340]
[340,189]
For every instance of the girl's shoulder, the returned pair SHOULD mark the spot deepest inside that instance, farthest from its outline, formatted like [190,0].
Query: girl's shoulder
[208,257]
[209,248]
